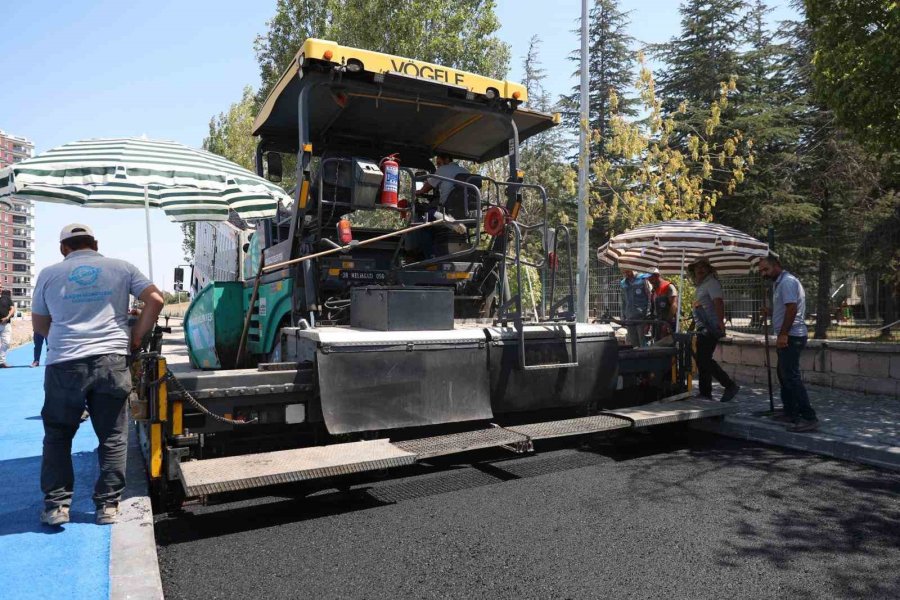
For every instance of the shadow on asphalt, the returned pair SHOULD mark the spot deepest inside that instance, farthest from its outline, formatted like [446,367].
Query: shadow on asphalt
[245,511]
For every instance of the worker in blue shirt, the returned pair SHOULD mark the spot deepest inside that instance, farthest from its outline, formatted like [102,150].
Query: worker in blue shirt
[635,304]
[788,323]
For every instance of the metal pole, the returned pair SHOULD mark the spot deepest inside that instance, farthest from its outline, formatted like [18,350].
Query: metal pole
[768,359]
[584,158]
[678,311]
[770,235]
[147,218]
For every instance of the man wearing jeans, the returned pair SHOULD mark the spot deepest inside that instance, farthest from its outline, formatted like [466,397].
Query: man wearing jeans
[81,306]
[7,311]
[788,323]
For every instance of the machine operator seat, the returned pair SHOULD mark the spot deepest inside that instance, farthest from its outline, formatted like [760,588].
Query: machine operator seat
[460,204]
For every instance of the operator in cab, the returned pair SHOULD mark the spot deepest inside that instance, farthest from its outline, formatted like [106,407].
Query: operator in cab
[420,244]
[446,167]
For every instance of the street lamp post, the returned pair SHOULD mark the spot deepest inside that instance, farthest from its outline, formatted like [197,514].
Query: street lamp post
[583,160]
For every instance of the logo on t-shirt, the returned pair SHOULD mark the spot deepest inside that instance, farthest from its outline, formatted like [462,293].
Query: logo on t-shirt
[84,275]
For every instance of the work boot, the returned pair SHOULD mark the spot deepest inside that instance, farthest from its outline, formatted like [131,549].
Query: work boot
[107,514]
[54,517]
[783,418]
[731,392]
[804,426]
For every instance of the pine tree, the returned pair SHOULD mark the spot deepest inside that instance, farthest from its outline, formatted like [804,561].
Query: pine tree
[838,178]
[706,53]
[765,111]
[611,74]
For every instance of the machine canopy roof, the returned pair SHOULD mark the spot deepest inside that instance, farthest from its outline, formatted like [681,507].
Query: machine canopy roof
[384,104]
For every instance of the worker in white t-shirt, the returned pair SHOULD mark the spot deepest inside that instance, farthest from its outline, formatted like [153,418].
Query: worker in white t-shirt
[446,167]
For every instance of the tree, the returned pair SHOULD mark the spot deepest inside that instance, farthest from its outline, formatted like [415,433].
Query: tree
[839,180]
[230,136]
[541,157]
[706,53]
[455,33]
[857,65]
[651,179]
[767,109]
[610,74]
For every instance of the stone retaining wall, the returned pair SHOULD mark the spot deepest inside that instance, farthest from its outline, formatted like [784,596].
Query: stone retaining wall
[866,367]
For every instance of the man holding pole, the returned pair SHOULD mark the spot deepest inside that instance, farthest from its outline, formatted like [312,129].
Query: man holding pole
[788,323]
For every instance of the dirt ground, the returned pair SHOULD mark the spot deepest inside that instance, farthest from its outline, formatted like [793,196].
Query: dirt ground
[21,332]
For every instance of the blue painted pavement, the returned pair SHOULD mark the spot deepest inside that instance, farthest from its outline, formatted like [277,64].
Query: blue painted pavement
[38,561]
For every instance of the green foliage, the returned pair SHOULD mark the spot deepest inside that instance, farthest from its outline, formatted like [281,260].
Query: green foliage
[649,177]
[230,137]
[230,133]
[706,53]
[767,109]
[857,65]
[457,33]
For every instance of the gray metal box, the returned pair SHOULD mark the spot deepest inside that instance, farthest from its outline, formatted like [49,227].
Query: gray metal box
[366,183]
[401,309]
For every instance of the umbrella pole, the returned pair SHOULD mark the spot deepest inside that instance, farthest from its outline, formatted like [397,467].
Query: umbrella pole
[678,313]
[147,219]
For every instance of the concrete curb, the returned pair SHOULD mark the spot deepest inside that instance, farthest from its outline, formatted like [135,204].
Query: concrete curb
[753,429]
[133,564]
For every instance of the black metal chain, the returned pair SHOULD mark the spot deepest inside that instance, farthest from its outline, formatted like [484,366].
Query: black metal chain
[193,402]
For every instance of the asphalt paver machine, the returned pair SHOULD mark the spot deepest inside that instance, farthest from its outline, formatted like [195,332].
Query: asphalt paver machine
[375,329]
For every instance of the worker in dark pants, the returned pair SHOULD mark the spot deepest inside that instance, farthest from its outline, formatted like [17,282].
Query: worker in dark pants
[788,323]
[635,305]
[81,306]
[709,318]
[38,347]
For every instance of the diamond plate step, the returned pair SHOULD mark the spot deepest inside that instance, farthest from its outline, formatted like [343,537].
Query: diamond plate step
[660,413]
[232,473]
[578,426]
[453,443]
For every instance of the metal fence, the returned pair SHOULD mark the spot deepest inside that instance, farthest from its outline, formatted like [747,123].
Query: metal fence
[856,308]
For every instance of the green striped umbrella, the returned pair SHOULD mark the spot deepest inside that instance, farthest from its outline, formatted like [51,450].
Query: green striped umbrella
[188,184]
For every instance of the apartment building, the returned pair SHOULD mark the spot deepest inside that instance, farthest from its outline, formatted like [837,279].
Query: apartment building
[17,229]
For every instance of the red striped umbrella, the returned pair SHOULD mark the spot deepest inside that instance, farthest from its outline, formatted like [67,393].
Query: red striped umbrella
[671,245]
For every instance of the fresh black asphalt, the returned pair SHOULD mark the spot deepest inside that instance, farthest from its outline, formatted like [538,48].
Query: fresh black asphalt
[676,514]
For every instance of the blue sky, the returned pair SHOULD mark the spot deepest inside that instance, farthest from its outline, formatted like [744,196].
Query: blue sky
[162,68]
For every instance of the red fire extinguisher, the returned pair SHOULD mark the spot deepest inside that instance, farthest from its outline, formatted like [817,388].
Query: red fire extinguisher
[345,234]
[391,182]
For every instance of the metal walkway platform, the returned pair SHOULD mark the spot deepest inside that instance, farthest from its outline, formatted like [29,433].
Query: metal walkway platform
[566,427]
[269,468]
[456,443]
[660,413]
[201,477]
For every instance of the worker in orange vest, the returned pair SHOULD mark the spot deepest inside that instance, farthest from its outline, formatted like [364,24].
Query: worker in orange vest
[664,302]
